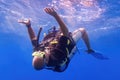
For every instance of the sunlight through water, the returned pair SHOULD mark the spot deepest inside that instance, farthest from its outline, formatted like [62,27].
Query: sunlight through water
[76,13]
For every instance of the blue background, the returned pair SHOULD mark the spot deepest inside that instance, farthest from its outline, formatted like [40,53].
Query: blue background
[101,20]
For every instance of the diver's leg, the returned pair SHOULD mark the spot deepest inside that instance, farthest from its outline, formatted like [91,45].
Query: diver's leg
[81,33]
[85,38]
[76,35]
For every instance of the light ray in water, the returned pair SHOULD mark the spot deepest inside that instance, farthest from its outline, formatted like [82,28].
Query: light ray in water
[87,10]
[74,12]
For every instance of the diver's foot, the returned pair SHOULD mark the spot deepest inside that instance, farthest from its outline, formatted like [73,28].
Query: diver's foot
[89,51]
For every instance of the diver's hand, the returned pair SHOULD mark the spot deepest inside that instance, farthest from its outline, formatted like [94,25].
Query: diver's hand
[25,21]
[90,51]
[50,11]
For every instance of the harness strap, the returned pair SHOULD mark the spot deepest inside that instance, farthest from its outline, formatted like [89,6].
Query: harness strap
[54,41]
[62,67]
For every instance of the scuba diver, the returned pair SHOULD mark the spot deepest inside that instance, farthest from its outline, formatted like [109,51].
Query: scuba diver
[56,49]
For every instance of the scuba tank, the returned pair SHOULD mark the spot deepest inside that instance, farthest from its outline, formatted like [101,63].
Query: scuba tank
[51,34]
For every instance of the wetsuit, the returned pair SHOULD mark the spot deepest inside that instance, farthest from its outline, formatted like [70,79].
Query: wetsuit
[58,52]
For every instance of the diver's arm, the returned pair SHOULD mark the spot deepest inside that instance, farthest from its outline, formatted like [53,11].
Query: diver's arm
[63,27]
[30,30]
[31,33]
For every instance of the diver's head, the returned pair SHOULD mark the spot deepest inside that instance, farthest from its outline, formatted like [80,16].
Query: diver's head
[38,62]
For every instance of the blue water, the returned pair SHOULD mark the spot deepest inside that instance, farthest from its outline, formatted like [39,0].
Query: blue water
[101,18]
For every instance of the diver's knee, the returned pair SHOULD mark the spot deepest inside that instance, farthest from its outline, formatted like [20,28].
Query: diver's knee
[82,30]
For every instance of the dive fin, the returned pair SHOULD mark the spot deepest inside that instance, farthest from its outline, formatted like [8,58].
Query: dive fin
[99,55]
[95,54]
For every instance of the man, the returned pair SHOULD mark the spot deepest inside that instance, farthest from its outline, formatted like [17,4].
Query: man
[57,47]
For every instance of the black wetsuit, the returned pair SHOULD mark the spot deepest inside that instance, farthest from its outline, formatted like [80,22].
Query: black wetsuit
[59,53]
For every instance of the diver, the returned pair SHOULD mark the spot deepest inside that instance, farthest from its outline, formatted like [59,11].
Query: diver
[56,49]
